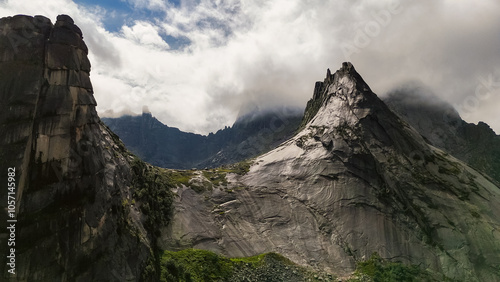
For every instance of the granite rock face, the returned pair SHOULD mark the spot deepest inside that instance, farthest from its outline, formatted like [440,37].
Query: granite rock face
[355,180]
[71,175]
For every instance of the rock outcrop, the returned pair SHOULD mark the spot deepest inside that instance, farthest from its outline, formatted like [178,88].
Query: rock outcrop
[72,173]
[356,180]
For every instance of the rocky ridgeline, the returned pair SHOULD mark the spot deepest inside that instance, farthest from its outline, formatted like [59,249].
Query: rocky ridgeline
[71,175]
[356,180]
[164,146]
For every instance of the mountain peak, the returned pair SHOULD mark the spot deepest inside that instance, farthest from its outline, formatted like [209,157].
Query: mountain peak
[355,164]
[345,83]
[346,73]
[344,108]
[343,98]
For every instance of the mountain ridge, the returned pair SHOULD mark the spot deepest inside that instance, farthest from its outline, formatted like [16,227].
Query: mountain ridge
[164,146]
[355,180]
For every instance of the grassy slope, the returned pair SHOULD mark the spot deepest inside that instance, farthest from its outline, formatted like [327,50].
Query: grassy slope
[201,265]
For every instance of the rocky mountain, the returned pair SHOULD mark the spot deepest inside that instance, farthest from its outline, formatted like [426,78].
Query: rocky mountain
[356,180]
[356,188]
[81,207]
[442,126]
[252,134]
[71,174]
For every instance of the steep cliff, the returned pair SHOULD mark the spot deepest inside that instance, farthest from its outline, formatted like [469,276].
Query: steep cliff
[356,180]
[72,173]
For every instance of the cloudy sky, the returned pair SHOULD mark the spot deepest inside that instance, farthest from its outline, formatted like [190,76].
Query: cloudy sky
[197,63]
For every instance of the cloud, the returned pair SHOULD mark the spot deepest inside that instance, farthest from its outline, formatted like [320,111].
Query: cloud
[148,4]
[144,33]
[196,63]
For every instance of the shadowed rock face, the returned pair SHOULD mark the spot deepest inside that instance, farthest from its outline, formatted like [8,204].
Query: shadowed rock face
[442,126]
[71,176]
[356,180]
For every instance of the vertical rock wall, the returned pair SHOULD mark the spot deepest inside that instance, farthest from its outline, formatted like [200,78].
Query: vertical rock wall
[22,53]
[71,176]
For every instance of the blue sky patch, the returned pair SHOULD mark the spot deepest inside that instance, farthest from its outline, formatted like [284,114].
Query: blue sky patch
[120,13]
[176,43]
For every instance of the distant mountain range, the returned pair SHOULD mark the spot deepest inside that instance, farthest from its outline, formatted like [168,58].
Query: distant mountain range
[252,134]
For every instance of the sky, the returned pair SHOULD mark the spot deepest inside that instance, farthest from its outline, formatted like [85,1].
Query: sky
[198,64]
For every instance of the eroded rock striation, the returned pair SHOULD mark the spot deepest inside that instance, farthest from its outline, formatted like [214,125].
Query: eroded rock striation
[356,180]
[72,173]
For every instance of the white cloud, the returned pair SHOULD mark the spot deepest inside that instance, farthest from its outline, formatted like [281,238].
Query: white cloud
[271,52]
[144,33]
[147,4]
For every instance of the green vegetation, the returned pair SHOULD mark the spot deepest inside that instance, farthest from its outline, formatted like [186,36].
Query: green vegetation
[312,108]
[216,177]
[377,269]
[152,190]
[259,260]
[475,214]
[179,177]
[200,265]
[240,168]
[451,170]
[447,167]
[151,187]
[194,265]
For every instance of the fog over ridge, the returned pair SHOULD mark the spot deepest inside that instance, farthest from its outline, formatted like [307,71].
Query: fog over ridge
[195,64]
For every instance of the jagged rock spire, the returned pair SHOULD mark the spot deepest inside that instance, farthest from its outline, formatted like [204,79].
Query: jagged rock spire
[344,100]
[344,81]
